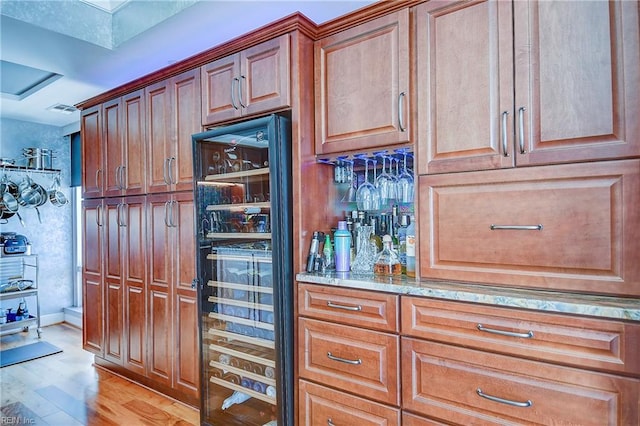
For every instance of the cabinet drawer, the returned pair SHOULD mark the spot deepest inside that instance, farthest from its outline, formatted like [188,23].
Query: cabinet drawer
[411,420]
[353,307]
[582,342]
[359,361]
[321,406]
[465,386]
[587,240]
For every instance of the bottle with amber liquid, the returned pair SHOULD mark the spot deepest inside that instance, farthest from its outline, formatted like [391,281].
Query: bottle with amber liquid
[388,261]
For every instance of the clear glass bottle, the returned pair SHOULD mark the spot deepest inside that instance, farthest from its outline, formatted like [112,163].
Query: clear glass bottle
[388,261]
[411,248]
[402,241]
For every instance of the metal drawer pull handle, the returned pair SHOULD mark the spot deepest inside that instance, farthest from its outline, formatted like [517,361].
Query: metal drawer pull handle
[330,422]
[233,93]
[242,77]
[527,335]
[346,361]
[525,404]
[346,308]
[521,111]
[401,111]
[517,227]
[505,146]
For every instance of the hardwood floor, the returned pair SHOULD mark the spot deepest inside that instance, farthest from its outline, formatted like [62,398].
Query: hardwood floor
[65,389]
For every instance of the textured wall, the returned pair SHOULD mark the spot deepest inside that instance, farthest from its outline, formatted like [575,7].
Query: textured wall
[52,239]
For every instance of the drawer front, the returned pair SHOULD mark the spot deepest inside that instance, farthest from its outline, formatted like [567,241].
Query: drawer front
[359,361]
[321,406]
[483,226]
[411,420]
[352,307]
[465,386]
[582,342]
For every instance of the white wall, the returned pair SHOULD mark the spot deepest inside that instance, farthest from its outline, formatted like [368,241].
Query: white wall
[52,239]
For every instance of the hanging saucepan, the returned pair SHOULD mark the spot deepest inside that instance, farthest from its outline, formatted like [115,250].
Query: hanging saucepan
[56,196]
[8,202]
[29,194]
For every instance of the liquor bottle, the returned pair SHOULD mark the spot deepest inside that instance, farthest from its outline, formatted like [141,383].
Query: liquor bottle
[387,262]
[403,223]
[327,254]
[411,248]
[375,236]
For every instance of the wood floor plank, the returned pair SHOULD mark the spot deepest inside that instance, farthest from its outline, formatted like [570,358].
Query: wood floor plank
[66,389]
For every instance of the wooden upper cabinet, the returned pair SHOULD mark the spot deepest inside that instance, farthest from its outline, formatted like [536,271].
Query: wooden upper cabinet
[112,141]
[92,152]
[133,171]
[252,81]
[114,147]
[362,86]
[569,227]
[173,107]
[570,92]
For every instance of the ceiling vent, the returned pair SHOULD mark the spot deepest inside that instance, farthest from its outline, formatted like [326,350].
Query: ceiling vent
[62,108]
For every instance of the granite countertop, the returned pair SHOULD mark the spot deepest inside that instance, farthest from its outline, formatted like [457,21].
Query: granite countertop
[541,300]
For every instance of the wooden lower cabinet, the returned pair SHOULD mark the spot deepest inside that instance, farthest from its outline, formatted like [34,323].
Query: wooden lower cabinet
[140,315]
[92,276]
[322,406]
[172,320]
[570,227]
[464,386]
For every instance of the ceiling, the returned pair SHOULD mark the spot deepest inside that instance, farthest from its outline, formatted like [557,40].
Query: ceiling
[88,47]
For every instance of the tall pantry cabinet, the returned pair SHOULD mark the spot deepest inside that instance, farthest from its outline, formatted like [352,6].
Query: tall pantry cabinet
[140,315]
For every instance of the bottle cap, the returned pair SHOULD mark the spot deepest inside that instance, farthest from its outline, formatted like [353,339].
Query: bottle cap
[386,238]
[342,225]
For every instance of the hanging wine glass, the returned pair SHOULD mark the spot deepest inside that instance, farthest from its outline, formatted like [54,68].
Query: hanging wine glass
[386,183]
[376,201]
[405,180]
[366,193]
[350,195]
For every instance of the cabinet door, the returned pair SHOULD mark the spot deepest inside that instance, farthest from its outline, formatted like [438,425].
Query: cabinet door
[187,365]
[159,128]
[92,280]
[92,154]
[160,292]
[134,172]
[570,227]
[362,86]
[464,85]
[133,233]
[264,78]
[112,140]
[186,119]
[114,294]
[577,73]
[219,90]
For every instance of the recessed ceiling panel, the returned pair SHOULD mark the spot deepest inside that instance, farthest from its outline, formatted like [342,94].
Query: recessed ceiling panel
[19,81]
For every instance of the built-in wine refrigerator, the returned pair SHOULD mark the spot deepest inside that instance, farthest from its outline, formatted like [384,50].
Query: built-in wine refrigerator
[243,210]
